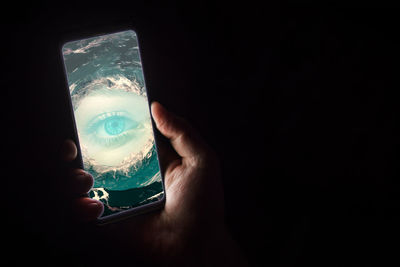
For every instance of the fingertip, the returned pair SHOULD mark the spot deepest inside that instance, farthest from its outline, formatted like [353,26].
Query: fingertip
[80,181]
[157,110]
[97,208]
[161,117]
[88,209]
[154,105]
[68,150]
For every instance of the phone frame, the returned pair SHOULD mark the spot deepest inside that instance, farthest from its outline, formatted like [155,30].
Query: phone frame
[90,33]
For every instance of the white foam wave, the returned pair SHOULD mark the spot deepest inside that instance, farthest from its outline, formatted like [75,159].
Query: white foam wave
[84,49]
[115,82]
[133,160]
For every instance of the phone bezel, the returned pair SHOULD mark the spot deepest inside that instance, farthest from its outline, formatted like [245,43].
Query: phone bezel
[90,33]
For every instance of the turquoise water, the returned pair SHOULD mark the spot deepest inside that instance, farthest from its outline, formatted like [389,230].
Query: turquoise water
[112,117]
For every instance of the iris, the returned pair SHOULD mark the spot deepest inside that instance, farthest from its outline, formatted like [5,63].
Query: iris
[114,125]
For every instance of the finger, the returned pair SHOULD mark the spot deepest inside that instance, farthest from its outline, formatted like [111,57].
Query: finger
[182,137]
[80,182]
[87,209]
[68,150]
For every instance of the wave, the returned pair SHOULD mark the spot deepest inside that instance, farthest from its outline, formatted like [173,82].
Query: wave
[114,82]
[132,162]
[86,45]
[142,172]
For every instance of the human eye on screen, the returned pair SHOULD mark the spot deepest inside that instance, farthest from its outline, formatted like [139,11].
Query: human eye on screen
[113,126]
[112,129]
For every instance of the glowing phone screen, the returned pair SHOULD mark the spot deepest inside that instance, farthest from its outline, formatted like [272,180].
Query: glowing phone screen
[112,117]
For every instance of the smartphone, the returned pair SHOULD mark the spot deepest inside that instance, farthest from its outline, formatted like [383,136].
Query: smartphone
[113,126]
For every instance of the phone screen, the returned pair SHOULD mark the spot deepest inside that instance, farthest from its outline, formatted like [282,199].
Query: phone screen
[112,118]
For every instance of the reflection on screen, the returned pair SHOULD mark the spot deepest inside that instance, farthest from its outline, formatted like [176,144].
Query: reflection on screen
[113,120]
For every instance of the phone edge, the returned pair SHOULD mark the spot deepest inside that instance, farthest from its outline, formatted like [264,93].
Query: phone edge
[153,206]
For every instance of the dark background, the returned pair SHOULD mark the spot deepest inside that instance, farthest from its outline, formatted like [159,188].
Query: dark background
[300,105]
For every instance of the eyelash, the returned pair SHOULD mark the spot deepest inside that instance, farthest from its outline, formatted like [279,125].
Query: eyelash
[104,116]
[110,141]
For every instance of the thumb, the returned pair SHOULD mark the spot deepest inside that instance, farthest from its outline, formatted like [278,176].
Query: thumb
[186,142]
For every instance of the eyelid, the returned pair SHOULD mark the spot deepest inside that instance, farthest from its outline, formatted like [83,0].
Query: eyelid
[93,122]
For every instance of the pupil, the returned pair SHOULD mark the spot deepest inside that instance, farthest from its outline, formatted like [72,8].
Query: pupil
[114,126]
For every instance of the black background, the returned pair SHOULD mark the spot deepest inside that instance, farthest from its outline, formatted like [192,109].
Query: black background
[300,104]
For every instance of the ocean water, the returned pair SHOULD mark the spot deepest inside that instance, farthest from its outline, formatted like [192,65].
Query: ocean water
[112,116]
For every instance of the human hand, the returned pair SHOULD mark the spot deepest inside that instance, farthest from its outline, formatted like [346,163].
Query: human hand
[191,225]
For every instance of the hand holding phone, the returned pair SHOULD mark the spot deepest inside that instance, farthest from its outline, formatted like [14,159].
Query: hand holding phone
[192,222]
[116,147]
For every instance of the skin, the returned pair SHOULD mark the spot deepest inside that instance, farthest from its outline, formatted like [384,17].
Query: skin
[190,229]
